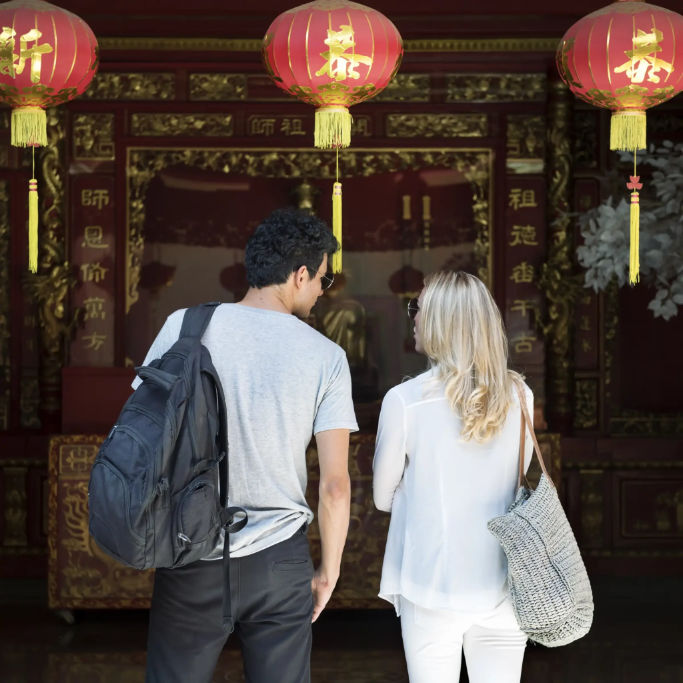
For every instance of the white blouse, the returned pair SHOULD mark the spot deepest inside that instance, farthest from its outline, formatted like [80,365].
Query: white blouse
[441,491]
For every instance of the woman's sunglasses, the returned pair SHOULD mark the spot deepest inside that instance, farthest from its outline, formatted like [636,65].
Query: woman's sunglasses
[413,308]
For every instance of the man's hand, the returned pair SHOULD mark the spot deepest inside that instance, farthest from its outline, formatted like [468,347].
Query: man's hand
[322,588]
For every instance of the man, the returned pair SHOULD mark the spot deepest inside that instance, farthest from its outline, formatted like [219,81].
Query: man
[283,381]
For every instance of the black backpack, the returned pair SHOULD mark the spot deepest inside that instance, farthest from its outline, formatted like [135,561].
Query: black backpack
[154,495]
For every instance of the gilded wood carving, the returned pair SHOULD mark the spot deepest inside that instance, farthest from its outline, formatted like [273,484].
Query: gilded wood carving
[145,163]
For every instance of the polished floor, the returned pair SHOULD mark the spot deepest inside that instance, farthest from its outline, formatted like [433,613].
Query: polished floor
[637,637]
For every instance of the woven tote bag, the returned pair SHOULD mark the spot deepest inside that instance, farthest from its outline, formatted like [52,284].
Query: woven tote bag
[549,587]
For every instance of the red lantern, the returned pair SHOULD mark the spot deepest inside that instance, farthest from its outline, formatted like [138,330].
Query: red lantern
[626,57]
[332,54]
[48,56]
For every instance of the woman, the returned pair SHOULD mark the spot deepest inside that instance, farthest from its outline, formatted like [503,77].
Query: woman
[446,461]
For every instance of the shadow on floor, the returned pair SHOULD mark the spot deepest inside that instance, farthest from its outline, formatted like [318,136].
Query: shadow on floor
[636,638]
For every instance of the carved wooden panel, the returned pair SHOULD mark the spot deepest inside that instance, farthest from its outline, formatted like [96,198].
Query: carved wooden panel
[82,576]
[79,573]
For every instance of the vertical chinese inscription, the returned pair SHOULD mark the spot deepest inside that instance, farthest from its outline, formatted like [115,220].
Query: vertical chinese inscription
[93,254]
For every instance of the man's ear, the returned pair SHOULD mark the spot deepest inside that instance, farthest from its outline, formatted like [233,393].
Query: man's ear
[300,276]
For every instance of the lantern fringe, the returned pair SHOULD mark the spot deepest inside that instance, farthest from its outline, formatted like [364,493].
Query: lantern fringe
[634,255]
[337,226]
[628,130]
[29,127]
[33,225]
[332,127]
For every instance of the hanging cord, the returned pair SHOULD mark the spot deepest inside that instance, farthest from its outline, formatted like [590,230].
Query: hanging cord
[33,216]
[634,251]
[337,219]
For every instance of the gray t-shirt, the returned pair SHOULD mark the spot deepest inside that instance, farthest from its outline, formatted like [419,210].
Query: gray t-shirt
[283,382]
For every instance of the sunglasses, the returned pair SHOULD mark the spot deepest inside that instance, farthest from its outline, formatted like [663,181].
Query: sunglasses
[326,281]
[413,308]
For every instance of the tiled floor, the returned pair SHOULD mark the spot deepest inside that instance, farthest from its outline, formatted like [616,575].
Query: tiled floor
[637,637]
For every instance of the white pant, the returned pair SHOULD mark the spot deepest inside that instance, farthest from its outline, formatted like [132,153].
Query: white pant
[434,640]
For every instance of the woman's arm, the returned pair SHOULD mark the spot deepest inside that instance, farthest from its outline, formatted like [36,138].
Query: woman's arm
[390,451]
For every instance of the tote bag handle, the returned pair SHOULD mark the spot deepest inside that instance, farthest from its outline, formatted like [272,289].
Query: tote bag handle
[526,423]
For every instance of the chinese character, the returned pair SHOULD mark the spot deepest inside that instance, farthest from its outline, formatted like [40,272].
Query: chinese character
[522,272]
[585,324]
[34,54]
[641,62]
[96,198]
[520,199]
[94,341]
[523,343]
[261,126]
[93,237]
[93,272]
[292,127]
[93,308]
[340,65]
[523,234]
[586,346]
[523,306]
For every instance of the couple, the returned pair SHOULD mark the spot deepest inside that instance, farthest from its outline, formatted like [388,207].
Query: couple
[445,463]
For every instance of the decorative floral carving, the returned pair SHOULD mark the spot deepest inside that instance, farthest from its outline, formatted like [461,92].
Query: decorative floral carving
[218,87]
[188,125]
[436,125]
[111,85]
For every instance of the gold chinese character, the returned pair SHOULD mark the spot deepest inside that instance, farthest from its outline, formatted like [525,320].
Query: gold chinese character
[586,346]
[94,341]
[93,272]
[523,343]
[261,126]
[96,198]
[520,199]
[585,324]
[34,54]
[341,65]
[93,308]
[292,127]
[641,60]
[522,272]
[93,237]
[523,306]
[523,234]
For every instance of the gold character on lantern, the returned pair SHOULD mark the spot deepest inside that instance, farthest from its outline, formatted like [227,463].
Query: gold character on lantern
[34,53]
[641,61]
[340,64]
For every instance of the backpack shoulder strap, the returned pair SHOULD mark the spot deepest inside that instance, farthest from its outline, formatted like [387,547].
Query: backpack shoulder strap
[197,318]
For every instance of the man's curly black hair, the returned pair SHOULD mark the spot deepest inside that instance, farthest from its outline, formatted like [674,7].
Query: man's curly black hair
[285,241]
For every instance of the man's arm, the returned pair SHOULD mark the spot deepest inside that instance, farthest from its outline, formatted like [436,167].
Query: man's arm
[333,512]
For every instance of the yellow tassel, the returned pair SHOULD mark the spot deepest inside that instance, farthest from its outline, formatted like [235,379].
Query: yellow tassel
[33,225]
[628,130]
[332,127]
[634,256]
[29,127]
[337,226]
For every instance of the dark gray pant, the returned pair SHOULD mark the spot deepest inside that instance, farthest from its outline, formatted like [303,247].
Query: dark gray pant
[272,606]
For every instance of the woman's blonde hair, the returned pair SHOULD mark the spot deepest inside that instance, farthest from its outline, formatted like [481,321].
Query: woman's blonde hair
[463,335]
